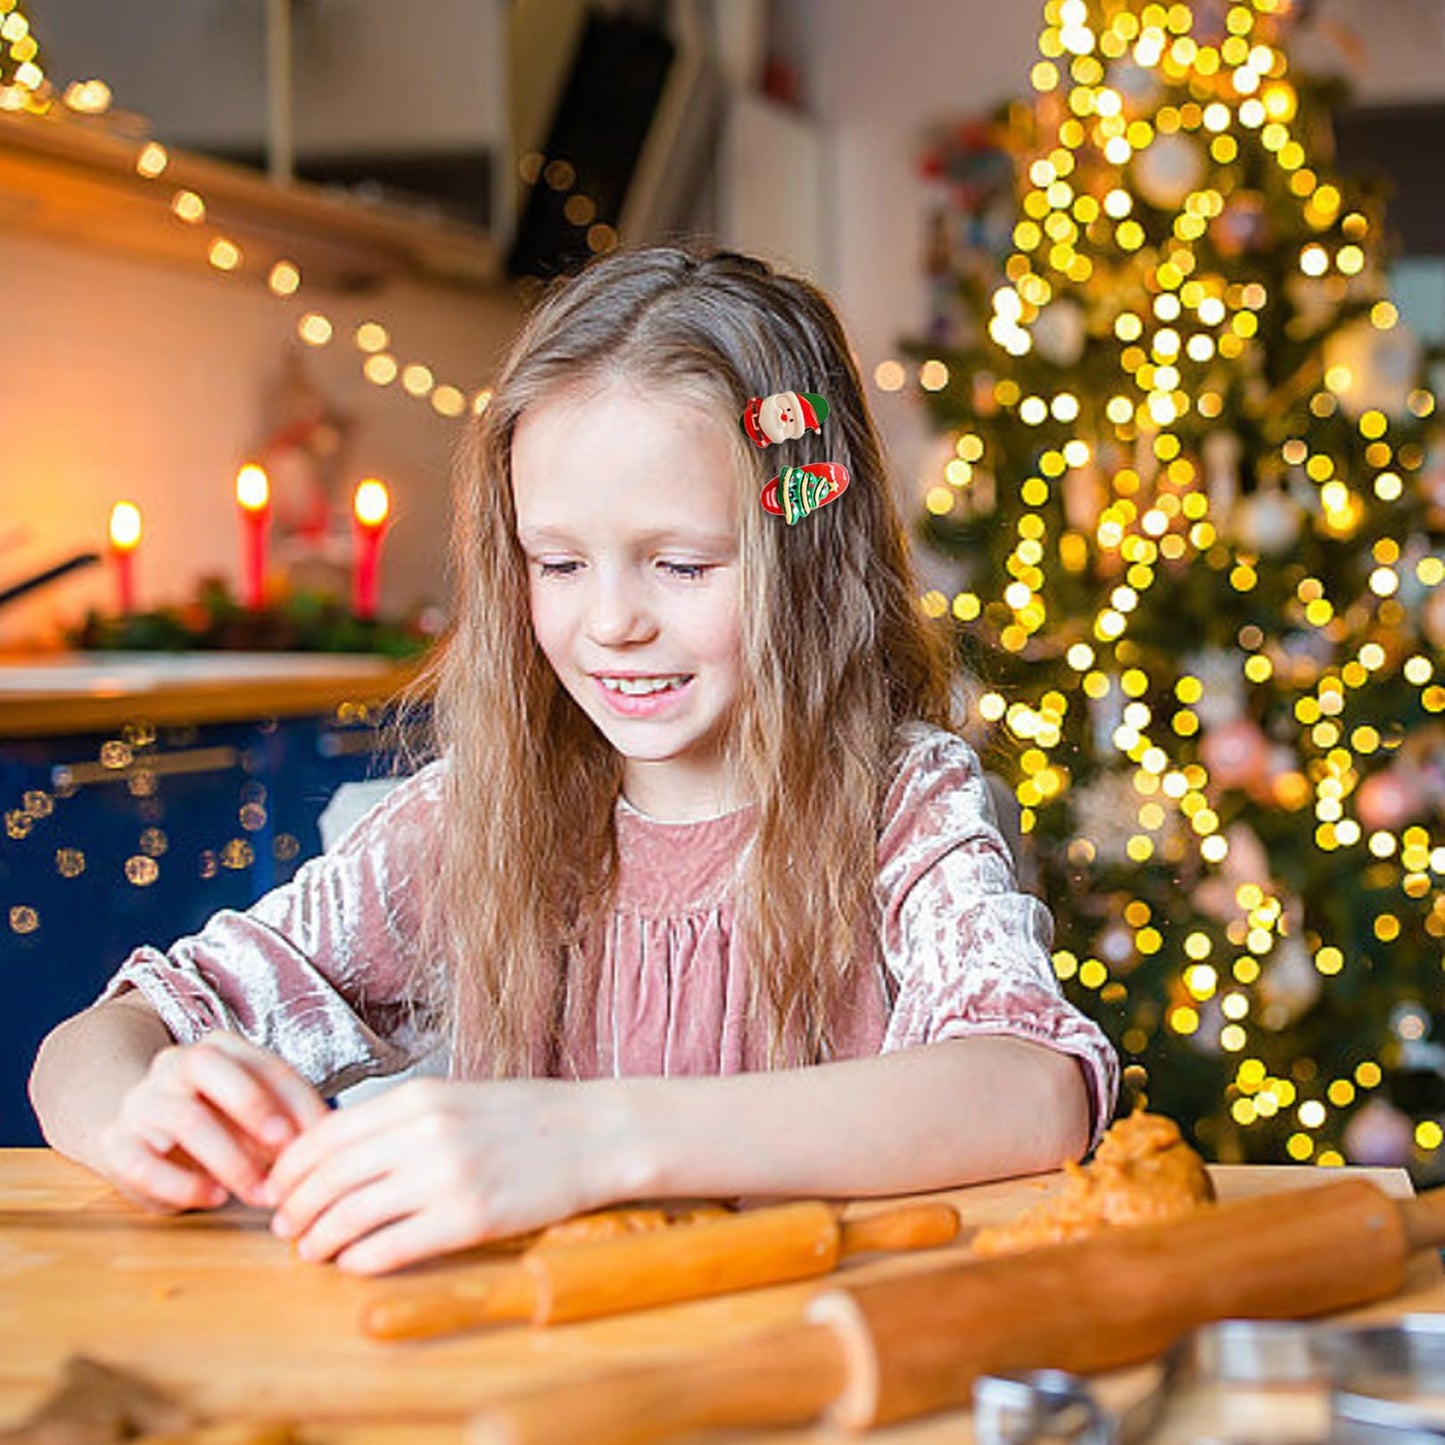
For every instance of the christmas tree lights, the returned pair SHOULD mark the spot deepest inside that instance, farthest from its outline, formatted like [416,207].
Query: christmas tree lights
[1191,489]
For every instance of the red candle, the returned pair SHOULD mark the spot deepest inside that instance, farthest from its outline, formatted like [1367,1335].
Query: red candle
[369,508]
[125,530]
[253,496]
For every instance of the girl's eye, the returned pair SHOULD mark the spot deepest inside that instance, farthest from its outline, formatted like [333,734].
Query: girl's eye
[690,571]
[555,569]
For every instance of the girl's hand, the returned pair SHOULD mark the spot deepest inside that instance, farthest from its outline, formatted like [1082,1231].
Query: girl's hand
[205,1122]
[433,1166]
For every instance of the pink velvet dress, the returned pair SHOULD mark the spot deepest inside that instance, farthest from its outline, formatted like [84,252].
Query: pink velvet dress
[315,970]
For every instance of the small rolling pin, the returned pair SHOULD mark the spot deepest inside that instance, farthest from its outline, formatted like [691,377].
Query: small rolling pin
[584,1280]
[883,1350]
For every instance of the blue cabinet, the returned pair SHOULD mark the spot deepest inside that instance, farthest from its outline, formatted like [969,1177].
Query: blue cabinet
[138,835]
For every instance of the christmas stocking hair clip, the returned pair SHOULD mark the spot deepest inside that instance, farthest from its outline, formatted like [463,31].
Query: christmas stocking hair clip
[783,416]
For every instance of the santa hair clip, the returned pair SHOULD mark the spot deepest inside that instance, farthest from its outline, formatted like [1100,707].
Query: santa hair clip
[783,417]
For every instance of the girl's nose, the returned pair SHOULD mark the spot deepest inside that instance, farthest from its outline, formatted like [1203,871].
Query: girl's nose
[618,612]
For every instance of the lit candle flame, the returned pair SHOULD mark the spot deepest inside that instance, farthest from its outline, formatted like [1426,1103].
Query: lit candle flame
[371,503]
[125,528]
[253,488]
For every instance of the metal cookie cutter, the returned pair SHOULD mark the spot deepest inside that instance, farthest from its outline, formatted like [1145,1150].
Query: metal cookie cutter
[1382,1381]
[1387,1382]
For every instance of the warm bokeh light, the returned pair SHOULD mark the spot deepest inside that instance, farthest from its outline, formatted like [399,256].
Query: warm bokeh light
[253,488]
[371,502]
[125,526]
[284,278]
[314,329]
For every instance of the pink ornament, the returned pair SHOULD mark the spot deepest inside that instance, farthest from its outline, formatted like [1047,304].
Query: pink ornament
[1236,754]
[1379,1135]
[1386,801]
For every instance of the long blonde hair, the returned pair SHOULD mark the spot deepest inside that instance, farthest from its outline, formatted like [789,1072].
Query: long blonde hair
[835,655]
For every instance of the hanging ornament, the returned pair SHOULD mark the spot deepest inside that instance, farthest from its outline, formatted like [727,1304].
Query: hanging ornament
[1106,812]
[1314,307]
[1205,1039]
[1221,453]
[1432,617]
[1105,715]
[1412,590]
[1242,227]
[1387,800]
[1246,862]
[1268,522]
[1379,1135]
[1116,947]
[1372,370]
[1210,21]
[1221,672]
[1432,487]
[1058,332]
[1085,495]
[1237,755]
[1289,985]
[1138,85]
[1409,1022]
[1168,170]
[1306,653]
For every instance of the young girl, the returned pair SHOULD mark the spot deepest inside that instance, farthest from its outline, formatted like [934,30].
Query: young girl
[703,894]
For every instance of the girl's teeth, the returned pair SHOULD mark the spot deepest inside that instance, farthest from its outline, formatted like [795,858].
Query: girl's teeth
[639,685]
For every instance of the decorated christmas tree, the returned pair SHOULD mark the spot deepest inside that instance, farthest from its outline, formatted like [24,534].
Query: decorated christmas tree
[1189,493]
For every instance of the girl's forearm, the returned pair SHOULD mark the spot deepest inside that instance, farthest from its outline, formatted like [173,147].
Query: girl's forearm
[933,1117]
[84,1068]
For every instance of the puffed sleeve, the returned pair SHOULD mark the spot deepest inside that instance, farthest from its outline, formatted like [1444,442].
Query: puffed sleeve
[316,970]
[966,952]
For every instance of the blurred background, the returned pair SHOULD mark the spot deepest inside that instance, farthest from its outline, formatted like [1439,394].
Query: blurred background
[1149,300]
[137,371]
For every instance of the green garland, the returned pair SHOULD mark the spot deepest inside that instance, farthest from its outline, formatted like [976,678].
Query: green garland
[217,622]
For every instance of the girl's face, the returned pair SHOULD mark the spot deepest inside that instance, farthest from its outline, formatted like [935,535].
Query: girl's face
[626,511]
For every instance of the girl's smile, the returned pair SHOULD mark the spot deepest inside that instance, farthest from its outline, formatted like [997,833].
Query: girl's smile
[626,510]
[643,696]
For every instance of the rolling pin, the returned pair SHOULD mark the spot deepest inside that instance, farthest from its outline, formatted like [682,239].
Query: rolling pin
[884,1350]
[584,1280]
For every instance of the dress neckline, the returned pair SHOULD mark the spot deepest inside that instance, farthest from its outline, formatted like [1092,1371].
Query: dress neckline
[636,812]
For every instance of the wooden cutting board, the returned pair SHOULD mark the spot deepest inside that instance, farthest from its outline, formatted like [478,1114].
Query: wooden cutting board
[215,1309]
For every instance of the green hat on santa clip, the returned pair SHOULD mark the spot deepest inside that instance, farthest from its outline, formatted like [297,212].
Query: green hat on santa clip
[783,416]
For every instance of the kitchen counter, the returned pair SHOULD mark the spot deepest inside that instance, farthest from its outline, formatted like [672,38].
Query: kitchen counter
[90,692]
[212,1307]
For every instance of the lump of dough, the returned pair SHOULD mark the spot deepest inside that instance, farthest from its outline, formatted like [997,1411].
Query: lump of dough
[1142,1172]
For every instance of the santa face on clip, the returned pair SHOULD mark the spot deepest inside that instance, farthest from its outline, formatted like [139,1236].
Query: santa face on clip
[783,416]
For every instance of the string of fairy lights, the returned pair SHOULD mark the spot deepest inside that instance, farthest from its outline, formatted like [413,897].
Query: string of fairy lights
[24,88]
[1241,95]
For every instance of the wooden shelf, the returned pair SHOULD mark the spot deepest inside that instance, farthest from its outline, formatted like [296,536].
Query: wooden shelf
[76,181]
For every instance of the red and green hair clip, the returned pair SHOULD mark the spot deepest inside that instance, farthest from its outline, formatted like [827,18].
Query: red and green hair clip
[796,491]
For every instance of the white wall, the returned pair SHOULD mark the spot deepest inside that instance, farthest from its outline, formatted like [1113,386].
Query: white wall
[130,380]
[369,74]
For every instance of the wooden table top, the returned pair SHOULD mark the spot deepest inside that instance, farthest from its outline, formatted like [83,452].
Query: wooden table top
[214,1309]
